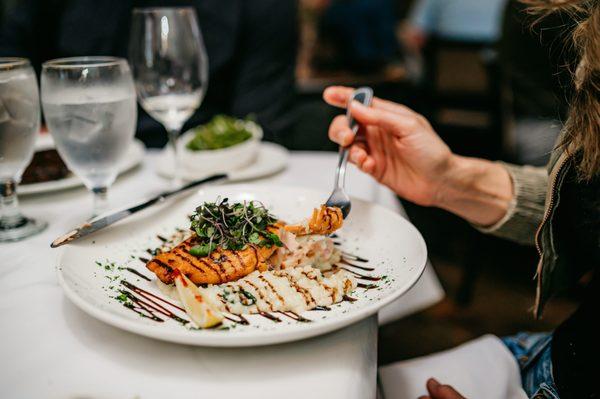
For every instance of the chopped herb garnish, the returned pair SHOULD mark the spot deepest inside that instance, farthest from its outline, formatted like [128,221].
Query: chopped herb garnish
[248,296]
[232,226]
[122,298]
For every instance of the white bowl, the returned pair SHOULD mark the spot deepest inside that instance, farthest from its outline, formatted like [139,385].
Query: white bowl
[224,159]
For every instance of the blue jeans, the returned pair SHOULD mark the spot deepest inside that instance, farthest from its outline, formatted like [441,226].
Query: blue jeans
[533,354]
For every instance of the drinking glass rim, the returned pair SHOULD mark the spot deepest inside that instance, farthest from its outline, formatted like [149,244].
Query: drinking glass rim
[150,10]
[8,63]
[84,62]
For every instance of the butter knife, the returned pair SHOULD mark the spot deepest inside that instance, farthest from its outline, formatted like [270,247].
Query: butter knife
[104,221]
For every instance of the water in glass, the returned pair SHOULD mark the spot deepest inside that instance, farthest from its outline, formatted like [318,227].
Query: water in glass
[92,129]
[19,124]
[19,121]
[170,66]
[90,108]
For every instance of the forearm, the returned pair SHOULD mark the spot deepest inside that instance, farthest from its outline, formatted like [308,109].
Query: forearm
[477,190]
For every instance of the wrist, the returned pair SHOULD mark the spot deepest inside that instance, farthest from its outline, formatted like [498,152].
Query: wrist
[479,191]
[451,181]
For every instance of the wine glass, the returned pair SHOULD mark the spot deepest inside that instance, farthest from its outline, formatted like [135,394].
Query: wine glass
[90,109]
[170,68]
[19,124]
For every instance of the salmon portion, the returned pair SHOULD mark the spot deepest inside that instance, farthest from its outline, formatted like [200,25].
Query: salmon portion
[221,266]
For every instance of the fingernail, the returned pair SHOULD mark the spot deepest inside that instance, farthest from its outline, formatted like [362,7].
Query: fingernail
[355,104]
[434,382]
[348,138]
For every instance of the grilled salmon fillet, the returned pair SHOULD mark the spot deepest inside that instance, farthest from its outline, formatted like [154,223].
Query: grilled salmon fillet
[221,266]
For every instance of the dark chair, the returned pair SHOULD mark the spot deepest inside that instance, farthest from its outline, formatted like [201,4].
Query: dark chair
[462,85]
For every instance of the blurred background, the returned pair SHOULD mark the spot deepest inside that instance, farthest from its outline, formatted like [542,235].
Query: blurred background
[492,86]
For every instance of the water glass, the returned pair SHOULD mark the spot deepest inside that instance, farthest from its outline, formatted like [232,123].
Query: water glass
[19,124]
[170,68]
[90,108]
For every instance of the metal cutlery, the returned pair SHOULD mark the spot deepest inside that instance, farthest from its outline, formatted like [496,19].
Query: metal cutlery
[339,198]
[104,221]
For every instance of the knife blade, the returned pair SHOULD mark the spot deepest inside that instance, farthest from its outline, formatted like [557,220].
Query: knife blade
[104,221]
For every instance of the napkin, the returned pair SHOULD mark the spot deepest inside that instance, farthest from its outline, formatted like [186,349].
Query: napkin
[482,368]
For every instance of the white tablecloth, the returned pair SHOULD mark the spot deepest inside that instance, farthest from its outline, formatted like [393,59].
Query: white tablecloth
[51,349]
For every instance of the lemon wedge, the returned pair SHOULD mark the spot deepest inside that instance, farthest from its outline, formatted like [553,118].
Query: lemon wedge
[202,313]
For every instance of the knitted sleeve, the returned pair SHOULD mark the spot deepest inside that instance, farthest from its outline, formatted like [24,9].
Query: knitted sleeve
[527,207]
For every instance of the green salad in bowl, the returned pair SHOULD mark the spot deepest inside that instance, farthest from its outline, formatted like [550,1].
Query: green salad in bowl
[221,132]
[221,145]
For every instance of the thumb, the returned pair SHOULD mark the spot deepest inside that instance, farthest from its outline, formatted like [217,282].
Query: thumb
[439,391]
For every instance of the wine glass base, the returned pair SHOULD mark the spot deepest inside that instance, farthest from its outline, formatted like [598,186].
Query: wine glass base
[26,229]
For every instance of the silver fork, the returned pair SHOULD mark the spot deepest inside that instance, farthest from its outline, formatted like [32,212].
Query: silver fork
[339,198]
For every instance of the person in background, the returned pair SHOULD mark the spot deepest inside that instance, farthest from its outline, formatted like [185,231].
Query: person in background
[251,46]
[457,20]
[361,32]
[557,209]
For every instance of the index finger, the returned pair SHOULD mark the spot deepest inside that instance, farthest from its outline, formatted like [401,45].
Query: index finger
[339,96]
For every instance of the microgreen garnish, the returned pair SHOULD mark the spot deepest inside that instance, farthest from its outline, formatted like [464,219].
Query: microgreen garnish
[232,226]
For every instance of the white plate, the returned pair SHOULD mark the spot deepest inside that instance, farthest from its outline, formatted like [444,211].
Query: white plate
[135,155]
[271,158]
[393,246]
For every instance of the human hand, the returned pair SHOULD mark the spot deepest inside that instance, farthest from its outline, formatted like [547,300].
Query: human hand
[439,391]
[395,145]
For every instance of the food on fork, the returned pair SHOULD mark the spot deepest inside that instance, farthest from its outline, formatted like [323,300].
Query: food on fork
[324,220]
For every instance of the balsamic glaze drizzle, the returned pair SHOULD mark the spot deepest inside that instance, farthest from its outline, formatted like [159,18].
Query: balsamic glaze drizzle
[349,298]
[368,269]
[147,294]
[294,316]
[354,257]
[367,286]
[240,319]
[269,316]
[129,269]
[362,276]
[149,304]
[139,307]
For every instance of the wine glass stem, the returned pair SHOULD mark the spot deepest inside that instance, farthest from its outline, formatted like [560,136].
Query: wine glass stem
[10,215]
[176,182]
[100,200]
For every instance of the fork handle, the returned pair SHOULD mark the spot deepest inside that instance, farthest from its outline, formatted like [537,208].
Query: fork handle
[363,95]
